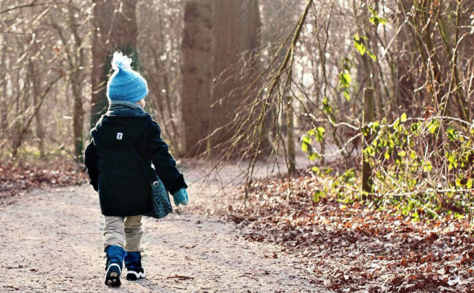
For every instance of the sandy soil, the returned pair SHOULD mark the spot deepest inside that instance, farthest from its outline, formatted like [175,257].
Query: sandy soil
[51,241]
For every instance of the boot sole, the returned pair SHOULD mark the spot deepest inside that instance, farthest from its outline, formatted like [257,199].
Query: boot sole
[133,276]
[112,277]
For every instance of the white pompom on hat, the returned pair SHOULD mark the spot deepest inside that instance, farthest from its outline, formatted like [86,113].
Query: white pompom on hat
[125,84]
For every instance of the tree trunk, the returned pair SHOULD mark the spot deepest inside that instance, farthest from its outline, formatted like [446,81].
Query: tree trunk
[406,79]
[77,78]
[235,40]
[36,92]
[369,115]
[290,136]
[197,75]
[115,28]
[3,84]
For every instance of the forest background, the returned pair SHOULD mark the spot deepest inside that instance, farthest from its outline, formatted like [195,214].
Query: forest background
[377,94]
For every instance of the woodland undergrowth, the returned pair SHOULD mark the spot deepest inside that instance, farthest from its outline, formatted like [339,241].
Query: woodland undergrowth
[348,245]
[18,178]
[413,232]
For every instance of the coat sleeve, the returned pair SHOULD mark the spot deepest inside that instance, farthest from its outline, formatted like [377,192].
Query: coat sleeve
[165,164]
[91,158]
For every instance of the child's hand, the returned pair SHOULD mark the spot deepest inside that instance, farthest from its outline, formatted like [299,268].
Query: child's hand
[181,197]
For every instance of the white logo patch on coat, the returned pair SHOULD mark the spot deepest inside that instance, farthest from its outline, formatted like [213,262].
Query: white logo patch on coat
[119,135]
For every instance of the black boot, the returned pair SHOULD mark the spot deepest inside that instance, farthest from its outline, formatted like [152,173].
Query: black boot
[133,263]
[115,256]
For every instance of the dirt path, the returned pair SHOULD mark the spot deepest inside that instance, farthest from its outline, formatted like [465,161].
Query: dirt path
[51,241]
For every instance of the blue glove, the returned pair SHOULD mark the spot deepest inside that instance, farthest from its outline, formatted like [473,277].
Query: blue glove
[181,197]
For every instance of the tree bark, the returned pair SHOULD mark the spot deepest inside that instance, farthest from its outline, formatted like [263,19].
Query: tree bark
[36,82]
[236,26]
[369,115]
[290,136]
[3,84]
[197,75]
[115,28]
[77,77]
[406,78]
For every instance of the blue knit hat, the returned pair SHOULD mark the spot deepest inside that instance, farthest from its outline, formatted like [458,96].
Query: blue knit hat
[125,84]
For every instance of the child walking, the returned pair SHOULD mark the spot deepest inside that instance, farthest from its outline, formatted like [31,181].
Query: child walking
[114,169]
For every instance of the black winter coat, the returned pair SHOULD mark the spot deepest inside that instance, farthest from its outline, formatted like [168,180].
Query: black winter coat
[115,171]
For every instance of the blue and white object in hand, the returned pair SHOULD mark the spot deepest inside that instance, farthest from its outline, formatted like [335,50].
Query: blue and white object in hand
[180,197]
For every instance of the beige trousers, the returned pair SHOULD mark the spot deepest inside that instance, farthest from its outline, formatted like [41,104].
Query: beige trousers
[125,232]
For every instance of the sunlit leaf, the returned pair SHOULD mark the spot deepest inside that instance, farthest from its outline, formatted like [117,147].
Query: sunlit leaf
[371,55]
[404,117]
[359,45]
[305,143]
[346,95]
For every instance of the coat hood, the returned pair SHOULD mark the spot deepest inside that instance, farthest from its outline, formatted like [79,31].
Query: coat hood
[120,131]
